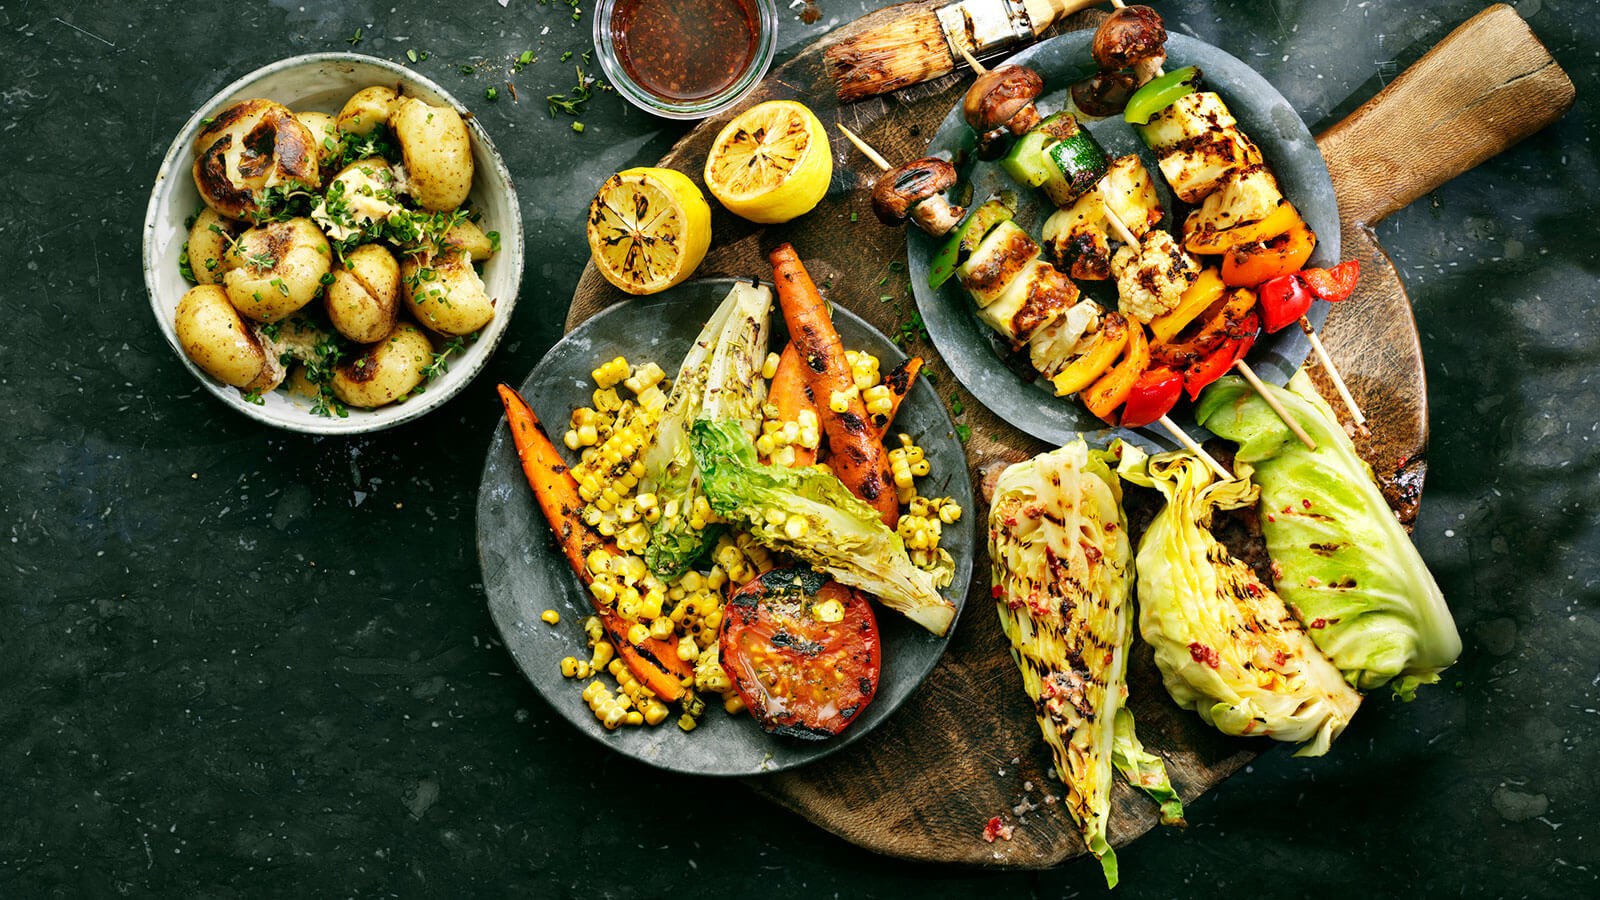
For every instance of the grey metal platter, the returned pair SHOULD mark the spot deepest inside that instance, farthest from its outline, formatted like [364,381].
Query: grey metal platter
[984,362]
[524,575]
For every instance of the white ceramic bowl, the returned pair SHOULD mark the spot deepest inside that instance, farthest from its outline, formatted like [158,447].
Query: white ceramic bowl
[323,81]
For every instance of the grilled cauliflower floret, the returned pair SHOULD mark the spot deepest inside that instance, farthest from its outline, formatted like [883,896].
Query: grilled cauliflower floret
[1152,278]
[1065,339]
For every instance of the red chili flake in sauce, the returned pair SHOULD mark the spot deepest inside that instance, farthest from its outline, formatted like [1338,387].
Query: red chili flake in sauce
[996,829]
[1204,655]
[684,50]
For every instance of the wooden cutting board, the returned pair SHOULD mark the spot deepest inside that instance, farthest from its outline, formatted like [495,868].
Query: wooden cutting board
[966,746]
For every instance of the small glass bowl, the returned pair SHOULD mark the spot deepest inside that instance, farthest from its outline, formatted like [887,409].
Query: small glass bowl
[766,48]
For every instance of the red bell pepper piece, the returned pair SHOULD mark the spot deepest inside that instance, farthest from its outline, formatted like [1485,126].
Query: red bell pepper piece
[1333,284]
[1153,396]
[1216,364]
[1282,301]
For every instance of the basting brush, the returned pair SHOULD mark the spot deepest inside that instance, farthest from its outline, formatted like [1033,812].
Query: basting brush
[922,45]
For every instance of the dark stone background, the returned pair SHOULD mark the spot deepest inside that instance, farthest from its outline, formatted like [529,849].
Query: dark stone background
[239,661]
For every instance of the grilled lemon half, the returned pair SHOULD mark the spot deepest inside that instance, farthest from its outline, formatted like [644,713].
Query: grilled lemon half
[648,229]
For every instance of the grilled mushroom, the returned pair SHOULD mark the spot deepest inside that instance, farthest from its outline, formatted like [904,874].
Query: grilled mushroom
[1129,35]
[1104,94]
[916,190]
[1002,99]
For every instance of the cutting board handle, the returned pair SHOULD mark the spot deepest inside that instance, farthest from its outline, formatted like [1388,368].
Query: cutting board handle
[1486,86]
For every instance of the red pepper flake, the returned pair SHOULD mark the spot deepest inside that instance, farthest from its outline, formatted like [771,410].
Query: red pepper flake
[1280,658]
[1271,517]
[1205,655]
[996,829]
[1288,509]
[1305,503]
[996,592]
[1319,622]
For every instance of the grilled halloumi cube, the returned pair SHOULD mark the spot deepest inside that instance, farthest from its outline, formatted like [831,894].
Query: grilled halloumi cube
[1055,345]
[1248,195]
[1190,117]
[997,262]
[1077,237]
[1033,299]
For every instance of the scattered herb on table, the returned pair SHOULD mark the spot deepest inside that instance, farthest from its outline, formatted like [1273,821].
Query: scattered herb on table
[354,39]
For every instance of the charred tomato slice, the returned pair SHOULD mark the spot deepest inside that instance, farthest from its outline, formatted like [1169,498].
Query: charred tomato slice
[803,652]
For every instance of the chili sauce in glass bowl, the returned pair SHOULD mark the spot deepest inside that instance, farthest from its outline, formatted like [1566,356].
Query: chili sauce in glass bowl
[685,59]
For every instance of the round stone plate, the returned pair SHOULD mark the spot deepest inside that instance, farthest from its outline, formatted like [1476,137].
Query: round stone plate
[983,361]
[524,575]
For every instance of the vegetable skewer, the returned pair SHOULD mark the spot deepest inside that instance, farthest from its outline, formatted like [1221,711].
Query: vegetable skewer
[1123,232]
[1155,71]
[1164,421]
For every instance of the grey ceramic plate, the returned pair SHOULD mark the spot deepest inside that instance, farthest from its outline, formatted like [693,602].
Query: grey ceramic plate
[524,575]
[983,361]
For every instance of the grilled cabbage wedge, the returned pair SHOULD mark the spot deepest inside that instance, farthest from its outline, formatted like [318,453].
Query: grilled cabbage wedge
[1227,646]
[1340,559]
[720,380]
[810,515]
[1063,580]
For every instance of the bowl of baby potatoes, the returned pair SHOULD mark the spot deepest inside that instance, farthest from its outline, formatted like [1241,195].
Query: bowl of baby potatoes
[333,245]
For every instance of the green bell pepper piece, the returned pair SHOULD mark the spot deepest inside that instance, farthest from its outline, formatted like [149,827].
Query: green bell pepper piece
[1160,93]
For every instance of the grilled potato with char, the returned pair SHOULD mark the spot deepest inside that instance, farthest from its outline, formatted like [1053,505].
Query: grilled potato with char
[248,148]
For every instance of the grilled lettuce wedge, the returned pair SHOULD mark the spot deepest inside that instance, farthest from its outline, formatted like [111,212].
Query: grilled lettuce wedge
[1063,580]
[719,379]
[1227,646]
[1340,559]
[810,515]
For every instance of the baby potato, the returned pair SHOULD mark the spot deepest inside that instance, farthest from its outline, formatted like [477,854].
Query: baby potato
[468,237]
[361,194]
[367,110]
[208,246]
[277,268]
[213,335]
[437,152]
[325,132]
[364,298]
[249,147]
[386,371]
[446,295]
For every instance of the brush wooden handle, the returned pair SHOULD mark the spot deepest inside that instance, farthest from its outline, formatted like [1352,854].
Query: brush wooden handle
[1044,13]
[1485,87]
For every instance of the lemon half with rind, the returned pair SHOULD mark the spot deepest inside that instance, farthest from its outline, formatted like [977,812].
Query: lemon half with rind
[772,163]
[648,229]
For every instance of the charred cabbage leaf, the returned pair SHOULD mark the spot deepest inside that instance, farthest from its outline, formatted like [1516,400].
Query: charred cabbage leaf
[1145,770]
[1226,645]
[1063,581]
[719,379]
[1340,559]
[810,515]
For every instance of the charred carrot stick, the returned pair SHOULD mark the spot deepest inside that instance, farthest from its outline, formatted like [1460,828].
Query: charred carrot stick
[654,663]
[854,452]
[899,382]
[791,396]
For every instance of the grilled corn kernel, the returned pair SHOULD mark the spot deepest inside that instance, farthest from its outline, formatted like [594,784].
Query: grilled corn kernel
[712,621]
[829,610]
[716,578]
[569,667]
[550,617]
[655,713]
[602,656]
[796,527]
[571,439]
[638,634]
[633,718]
[783,456]
[879,400]
[839,401]
[661,628]
[611,372]
[645,501]
[863,369]
[604,592]
[769,366]
[643,378]
[687,722]
[593,629]
[733,704]
[687,651]
[607,399]
[765,445]
[950,513]
[613,718]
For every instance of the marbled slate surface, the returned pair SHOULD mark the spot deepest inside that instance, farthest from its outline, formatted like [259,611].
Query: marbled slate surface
[239,662]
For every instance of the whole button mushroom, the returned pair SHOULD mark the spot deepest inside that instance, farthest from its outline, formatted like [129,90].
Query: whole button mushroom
[916,190]
[1002,100]
[1131,36]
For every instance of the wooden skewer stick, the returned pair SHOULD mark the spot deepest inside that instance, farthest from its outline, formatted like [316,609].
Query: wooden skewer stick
[972,61]
[1333,374]
[1255,382]
[865,148]
[1172,428]
[1189,444]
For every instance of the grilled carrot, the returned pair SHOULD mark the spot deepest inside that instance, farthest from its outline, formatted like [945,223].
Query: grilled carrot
[791,396]
[899,382]
[854,453]
[654,663]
